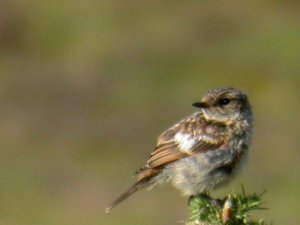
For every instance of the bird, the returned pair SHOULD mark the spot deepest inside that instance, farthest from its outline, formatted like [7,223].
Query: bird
[203,151]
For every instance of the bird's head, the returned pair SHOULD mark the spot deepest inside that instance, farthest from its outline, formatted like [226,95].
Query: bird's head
[225,105]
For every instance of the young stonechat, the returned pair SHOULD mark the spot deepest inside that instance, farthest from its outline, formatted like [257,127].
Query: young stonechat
[202,151]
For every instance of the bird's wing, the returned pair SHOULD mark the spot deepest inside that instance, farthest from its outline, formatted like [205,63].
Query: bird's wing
[184,139]
[182,145]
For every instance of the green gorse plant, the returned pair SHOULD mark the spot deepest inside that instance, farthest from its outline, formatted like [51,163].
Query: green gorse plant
[234,209]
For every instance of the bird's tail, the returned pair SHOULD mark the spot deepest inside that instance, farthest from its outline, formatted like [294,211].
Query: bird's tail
[137,186]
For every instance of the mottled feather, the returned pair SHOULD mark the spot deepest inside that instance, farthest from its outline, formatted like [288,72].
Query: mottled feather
[170,148]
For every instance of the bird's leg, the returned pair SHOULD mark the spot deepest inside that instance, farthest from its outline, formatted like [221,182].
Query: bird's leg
[191,199]
[217,202]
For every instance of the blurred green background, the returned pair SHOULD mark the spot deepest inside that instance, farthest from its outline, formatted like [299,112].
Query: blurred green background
[86,87]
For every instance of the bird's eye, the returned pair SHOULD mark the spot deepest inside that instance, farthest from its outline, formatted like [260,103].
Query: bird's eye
[224,101]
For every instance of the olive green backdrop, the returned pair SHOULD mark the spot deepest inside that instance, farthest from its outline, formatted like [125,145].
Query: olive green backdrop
[86,87]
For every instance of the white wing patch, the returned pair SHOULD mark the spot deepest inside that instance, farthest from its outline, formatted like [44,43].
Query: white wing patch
[185,141]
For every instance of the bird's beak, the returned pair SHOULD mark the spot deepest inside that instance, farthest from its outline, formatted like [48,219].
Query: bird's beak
[200,105]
